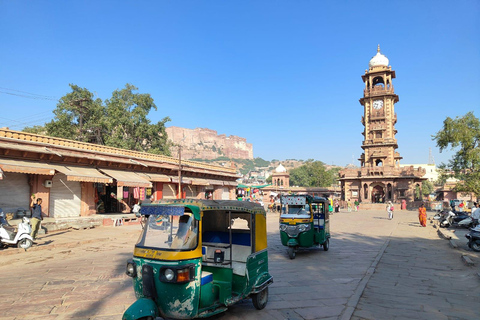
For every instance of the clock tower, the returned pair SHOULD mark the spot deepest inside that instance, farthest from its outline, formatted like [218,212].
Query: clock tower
[379,118]
[380,177]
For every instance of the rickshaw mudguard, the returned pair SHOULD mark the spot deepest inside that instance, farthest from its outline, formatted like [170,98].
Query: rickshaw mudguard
[293,242]
[143,307]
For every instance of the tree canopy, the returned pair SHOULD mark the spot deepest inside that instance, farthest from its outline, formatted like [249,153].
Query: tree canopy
[313,174]
[462,134]
[120,121]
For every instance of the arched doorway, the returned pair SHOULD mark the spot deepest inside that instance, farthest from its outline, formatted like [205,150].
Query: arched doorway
[378,194]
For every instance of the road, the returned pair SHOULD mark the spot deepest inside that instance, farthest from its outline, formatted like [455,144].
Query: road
[375,269]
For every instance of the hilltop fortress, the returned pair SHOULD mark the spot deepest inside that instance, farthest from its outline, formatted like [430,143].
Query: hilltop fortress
[203,143]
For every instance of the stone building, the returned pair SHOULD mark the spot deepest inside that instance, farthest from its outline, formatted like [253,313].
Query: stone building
[74,177]
[380,177]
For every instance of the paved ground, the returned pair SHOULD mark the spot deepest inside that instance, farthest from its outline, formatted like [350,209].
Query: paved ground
[375,269]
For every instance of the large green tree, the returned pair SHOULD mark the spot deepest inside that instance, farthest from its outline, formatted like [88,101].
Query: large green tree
[77,114]
[313,174]
[128,126]
[120,121]
[462,135]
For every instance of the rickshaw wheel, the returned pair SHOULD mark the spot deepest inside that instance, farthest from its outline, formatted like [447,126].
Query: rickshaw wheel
[291,252]
[260,299]
[326,245]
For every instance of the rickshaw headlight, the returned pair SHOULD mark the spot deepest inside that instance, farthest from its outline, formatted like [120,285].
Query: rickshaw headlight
[303,227]
[283,227]
[169,274]
[131,269]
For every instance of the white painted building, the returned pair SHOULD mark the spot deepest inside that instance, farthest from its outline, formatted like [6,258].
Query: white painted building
[431,172]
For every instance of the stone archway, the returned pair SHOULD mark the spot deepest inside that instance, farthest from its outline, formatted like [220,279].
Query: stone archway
[378,194]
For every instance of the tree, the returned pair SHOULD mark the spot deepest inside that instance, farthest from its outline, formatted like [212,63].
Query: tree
[312,174]
[463,135]
[76,113]
[128,126]
[427,188]
[120,121]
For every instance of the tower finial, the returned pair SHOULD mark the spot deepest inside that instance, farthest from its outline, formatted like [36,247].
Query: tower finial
[378,48]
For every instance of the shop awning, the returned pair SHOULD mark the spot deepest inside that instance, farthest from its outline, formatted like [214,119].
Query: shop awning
[215,182]
[199,182]
[21,166]
[83,174]
[127,178]
[230,183]
[154,177]
[184,180]
[254,187]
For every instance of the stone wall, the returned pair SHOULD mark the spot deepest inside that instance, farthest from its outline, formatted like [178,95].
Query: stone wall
[202,143]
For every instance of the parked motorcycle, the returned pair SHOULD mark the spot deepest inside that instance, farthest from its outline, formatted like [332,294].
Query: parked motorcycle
[454,219]
[474,238]
[20,238]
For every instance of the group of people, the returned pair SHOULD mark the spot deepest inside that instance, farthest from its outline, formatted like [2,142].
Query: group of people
[422,213]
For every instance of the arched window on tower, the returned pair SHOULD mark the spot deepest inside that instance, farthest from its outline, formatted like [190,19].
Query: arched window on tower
[365,191]
[378,163]
[378,135]
[378,81]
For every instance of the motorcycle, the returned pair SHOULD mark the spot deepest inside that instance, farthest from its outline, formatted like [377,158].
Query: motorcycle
[474,238]
[8,236]
[454,219]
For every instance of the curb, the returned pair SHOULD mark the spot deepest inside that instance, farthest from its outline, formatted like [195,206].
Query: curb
[453,244]
[467,261]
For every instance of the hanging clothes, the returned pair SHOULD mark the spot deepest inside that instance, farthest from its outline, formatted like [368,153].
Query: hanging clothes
[119,193]
[142,193]
[136,193]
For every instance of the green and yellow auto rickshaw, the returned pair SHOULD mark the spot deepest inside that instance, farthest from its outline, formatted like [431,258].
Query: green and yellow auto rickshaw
[304,223]
[194,258]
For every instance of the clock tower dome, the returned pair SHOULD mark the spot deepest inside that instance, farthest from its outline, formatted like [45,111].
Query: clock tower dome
[379,118]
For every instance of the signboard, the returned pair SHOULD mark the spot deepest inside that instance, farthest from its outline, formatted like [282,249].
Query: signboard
[294,200]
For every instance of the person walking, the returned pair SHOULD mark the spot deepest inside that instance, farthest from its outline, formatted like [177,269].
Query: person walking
[422,215]
[356,205]
[390,210]
[349,205]
[36,216]
[337,206]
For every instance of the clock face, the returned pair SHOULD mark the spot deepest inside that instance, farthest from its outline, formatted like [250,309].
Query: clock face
[377,104]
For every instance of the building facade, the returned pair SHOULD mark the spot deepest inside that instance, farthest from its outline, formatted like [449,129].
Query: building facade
[380,177]
[80,179]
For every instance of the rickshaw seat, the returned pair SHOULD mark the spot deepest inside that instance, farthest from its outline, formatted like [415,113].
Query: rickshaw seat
[206,277]
[242,239]
[241,248]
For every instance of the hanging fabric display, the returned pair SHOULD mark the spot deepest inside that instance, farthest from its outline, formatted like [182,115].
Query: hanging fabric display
[142,193]
[149,192]
[119,193]
[136,193]
[125,193]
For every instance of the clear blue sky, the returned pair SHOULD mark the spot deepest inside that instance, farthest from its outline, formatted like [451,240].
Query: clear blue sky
[286,75]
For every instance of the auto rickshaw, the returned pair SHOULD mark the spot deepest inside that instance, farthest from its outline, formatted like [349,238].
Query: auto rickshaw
[304,223]
[194,258]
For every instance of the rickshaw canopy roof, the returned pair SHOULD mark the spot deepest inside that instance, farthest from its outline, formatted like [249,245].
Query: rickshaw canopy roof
[177,207]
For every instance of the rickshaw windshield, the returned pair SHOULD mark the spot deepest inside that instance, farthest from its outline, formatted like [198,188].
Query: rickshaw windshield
[296,211]
[170,232]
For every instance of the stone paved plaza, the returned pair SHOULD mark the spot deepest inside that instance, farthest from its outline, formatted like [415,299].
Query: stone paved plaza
[375,269]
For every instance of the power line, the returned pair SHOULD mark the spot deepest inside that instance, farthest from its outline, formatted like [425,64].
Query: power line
[28,95]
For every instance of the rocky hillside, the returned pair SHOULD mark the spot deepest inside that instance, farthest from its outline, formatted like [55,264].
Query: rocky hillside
[202,143]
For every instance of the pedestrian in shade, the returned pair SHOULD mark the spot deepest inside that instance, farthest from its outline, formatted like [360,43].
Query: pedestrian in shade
[36,215]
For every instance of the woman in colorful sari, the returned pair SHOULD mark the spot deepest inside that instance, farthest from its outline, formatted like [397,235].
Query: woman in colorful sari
[422,215]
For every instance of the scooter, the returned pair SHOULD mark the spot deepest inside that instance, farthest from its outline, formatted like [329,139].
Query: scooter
[21,238]
[474,238]
[454,219]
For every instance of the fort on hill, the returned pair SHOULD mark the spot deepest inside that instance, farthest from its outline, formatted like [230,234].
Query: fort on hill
[203,143]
